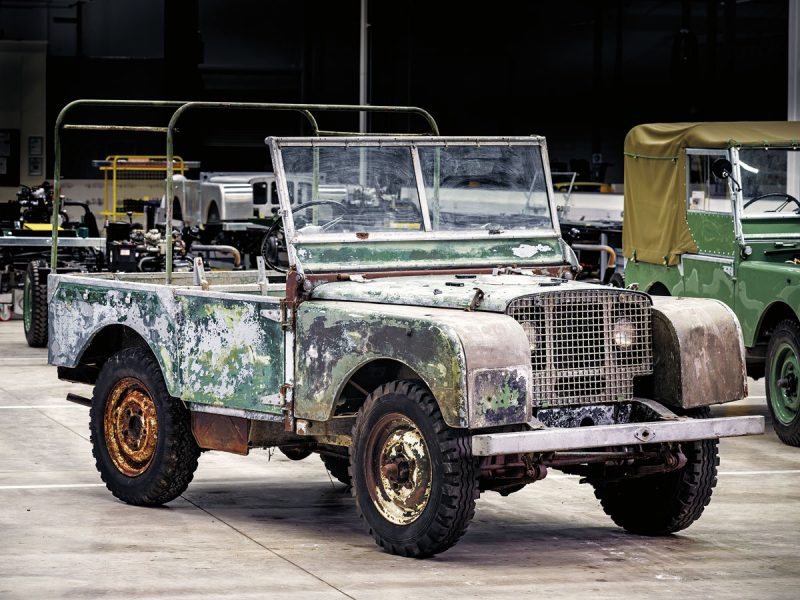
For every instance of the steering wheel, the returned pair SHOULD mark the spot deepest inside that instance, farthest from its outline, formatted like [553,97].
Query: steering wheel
[789,198]
[270,246]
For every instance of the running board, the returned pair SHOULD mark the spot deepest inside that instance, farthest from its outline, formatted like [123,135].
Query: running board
[600,436]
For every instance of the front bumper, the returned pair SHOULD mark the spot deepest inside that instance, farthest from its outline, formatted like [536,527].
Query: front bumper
[557,439]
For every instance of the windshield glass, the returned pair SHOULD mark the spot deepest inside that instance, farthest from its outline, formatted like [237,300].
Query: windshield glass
[355,188]
[486,187]
[769,180]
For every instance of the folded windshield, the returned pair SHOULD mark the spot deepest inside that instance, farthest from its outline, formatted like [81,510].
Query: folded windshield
[405,186]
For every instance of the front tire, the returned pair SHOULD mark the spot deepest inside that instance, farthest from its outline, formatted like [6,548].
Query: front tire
[141,436]
[664,503]
[34,303]
[783,381]
[414,478]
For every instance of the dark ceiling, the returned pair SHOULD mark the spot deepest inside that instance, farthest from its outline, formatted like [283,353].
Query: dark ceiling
[579,72]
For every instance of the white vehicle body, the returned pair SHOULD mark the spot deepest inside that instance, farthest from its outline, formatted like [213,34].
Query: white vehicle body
[231,197]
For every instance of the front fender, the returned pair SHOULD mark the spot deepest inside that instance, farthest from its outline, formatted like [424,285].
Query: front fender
[477,365]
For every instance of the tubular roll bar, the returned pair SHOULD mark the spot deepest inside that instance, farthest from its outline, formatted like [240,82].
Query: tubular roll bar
[181,106]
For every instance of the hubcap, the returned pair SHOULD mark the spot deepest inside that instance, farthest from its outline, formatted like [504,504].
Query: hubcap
[131,427]
[784,373]
[398,469]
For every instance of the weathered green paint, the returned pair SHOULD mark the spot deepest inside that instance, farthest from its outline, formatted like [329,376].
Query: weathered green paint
[79,311]
[211,350]
[501,396]
[444,291]
[712,232]
[371,255]
[335,339]
[230,355]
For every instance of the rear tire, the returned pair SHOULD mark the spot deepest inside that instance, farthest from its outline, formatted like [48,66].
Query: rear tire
[338,466]
[783,381]
[414,478]
[34,315]
[141,437]
[664,503]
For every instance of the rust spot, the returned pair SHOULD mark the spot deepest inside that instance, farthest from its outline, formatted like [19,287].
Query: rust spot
[221,432]
[362,235]
[130,426]
[550,271]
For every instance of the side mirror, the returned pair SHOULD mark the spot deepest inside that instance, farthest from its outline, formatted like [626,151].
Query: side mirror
[721,168]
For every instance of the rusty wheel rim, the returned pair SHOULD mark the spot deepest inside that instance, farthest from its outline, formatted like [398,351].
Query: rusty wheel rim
[398,469]
[130,427]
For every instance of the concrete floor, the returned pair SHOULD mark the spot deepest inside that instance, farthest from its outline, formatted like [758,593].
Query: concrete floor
[264,527]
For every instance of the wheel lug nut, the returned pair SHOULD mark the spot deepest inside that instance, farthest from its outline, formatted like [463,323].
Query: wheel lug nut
[389,470]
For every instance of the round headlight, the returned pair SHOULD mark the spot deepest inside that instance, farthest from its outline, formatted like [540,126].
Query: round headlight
[624,332]
[530,330]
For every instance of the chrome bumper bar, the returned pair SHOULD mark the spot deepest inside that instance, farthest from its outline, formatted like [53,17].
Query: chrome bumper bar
[577,438]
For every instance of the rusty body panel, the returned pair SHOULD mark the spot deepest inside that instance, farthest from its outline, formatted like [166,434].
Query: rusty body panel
[445,291]
[367,254]
[698,353]
[447,349]
[217,348]
[221,432]
[557,271]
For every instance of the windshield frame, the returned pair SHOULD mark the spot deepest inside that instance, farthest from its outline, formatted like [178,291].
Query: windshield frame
[276,144]
[738,193]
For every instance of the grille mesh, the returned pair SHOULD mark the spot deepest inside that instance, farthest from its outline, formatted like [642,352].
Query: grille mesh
[574,355]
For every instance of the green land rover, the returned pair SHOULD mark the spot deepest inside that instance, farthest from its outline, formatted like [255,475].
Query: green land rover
[416,325]
[712,211]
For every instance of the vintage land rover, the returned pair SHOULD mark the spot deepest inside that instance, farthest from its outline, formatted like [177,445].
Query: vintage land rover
[427,342]
[712,211]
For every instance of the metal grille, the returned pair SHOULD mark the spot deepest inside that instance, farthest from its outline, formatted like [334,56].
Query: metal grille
[586,345]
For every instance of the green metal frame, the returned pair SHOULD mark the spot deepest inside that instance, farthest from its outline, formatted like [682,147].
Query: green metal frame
[181,106]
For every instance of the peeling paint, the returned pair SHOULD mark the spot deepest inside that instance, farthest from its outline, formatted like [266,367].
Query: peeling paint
[373,255]
[443,291]
[334,339]
[526,250]
[500,396]
[211,350]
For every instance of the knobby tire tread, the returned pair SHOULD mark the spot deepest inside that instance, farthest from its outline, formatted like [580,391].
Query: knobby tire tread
[338,467]
[664,503]
[459,471]
[174,469]
[37,335]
